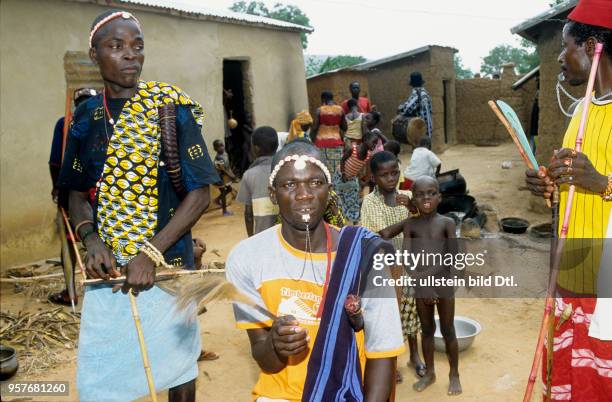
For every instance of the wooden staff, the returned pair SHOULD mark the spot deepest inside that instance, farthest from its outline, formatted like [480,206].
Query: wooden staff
[159,276]
[73,242]
[143,347]
[564,229]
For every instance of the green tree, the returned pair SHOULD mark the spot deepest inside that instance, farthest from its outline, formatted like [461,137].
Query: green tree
[283,12]
[525,58]
[460,70]
[336,62]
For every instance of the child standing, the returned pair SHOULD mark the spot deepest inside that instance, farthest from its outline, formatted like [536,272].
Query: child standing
[259,211]
[355,123]
[222,164]
[384,207]
[346,179]
[431,231]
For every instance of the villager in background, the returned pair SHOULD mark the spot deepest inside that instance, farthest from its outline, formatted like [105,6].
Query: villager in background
[328,129]
[418,103]
[222,164]
[300,127]
[61,199]
[363,103]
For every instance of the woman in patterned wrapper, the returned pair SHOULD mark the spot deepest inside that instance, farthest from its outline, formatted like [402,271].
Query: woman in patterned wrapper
[114,146]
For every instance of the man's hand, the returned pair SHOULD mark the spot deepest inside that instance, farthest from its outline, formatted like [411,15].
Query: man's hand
[100,262]
[139,274]
[54,194]
[288,338]
[539,182]
[571,167]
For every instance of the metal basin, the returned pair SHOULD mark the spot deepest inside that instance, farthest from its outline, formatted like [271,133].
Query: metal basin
[466,330]
[514,225]
[8,362]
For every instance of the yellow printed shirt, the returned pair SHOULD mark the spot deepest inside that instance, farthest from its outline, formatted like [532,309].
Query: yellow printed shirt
[282,280]
[134,198]
[590,213]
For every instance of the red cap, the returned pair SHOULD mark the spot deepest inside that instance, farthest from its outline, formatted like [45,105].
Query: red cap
[593,12]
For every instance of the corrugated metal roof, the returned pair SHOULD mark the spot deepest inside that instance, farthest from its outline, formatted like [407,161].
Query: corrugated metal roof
[197,11]
[519,83]
[368,65]
[549,14]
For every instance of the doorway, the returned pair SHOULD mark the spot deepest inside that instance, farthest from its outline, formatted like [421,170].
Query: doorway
[237,103]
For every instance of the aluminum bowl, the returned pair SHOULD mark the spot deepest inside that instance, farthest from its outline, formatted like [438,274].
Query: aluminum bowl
[466,330]
[8,362]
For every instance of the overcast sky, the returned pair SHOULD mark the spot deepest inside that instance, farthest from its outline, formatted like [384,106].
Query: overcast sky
[380,28]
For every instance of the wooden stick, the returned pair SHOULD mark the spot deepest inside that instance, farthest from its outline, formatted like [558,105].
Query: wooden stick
[143,347]
[12,279]
[512,133]
[159,276]
[73,242]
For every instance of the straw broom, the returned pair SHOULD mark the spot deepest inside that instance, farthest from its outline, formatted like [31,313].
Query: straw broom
[564,229]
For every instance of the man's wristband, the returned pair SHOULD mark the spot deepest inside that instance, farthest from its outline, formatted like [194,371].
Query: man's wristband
[78,226]
[607,193]
[87,234]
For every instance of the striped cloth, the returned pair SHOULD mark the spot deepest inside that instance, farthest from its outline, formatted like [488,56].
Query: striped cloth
[334,369]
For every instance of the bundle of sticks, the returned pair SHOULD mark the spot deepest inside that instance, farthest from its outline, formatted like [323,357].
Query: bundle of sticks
[39,337]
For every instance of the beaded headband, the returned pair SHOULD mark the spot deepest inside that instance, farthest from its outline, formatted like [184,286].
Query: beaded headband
[123,14]
[299,164]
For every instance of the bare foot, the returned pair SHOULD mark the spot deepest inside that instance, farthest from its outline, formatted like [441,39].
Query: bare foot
[424,382]
[418,365]
[454,386]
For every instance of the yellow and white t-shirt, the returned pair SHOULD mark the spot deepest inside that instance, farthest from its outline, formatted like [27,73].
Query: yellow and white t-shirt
[590,213]
[273,273]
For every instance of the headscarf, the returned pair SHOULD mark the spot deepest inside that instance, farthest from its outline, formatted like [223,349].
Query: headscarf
[295,130]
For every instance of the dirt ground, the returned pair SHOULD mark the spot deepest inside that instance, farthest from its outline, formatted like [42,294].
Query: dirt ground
[496,367]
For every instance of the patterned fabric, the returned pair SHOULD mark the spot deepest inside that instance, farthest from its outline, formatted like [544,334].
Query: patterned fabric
[87,153]
[128,193]
[376,215]
[334,212]
[334,370]
[410,318]
[332,157]
[411,107]
[582,365]
[348,191]
[353,165]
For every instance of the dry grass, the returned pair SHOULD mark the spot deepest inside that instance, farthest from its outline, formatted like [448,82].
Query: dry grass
[40,338]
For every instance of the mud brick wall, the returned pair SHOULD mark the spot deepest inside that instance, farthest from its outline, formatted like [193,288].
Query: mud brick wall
[389,88]
[476,122]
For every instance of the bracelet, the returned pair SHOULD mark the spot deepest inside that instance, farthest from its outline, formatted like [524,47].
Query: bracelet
[86,235]
[154,255]
[607,194]
[77,227]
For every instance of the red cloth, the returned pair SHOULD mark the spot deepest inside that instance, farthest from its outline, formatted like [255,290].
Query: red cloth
[406,184]
[363,104]
[581,365]
[593,12]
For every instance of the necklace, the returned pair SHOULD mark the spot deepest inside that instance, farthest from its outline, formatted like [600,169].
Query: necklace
[575,100]
[110,117]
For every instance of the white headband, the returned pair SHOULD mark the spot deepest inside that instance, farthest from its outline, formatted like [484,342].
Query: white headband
[123,14]
[299,164]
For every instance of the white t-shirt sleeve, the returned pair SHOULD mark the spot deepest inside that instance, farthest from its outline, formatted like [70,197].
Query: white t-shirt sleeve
[433,159]
[242,275]
[382,322]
